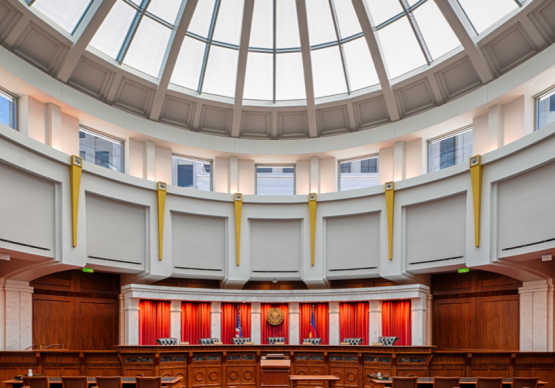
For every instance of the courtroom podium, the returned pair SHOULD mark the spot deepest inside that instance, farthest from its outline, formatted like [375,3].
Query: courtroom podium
[275,370]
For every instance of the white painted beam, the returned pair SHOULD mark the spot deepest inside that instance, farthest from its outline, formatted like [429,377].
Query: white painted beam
[364,18]
[307,68]
[242,67]
[460,25]
[172,53]
[99,10]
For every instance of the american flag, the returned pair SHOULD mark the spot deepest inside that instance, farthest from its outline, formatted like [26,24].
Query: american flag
[238,329]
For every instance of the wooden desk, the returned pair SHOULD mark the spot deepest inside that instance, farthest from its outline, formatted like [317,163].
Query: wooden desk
[170,382]
[304,378]
[465,381]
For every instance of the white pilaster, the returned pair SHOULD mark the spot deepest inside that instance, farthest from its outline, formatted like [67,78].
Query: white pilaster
[255,323]
[150,161]
[121,319]
[132,321]
[175,319]
[375,320]
[53,125]
[536,316]
[334,327]
[233,174]
[495,127]
[399,161]
[314,174]
[216,320]
[294,326]
[16,315]
[418,320]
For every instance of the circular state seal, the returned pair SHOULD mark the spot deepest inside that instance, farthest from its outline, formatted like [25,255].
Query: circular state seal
[274,316]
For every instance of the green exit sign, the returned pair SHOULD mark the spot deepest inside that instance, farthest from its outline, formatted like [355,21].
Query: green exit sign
[463,270]
[90,270]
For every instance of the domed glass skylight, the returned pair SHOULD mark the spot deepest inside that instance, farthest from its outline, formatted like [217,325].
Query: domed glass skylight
[410,34]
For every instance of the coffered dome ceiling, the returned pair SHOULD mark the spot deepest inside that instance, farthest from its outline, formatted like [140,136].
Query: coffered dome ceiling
[276,69]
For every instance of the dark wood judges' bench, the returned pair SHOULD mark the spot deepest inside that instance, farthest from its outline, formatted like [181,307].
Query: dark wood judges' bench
[229,366]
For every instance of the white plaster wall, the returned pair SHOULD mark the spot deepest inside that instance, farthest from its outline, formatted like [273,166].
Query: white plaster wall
[246,176]
[221,175]
[136,158]
[70,134]
[164,164]
[413,158]
[514,120]
[480,135]
[302,177]
[328,175]
[386,165]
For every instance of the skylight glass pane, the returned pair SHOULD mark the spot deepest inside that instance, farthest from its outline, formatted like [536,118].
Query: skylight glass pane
[287,27]
[148,47]
[483,14]
[112,32]
[189,64]
[360,66]
[259,78]
[320,22]
[327,71]
[262,28]
[290,77]
[400,48]
[65,13]
[165,9]
[221,72]
[228,25]
[382,10]
[439,37]
[347,18]
[200,23]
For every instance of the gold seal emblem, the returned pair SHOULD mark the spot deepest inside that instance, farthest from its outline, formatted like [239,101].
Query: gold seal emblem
[274,316]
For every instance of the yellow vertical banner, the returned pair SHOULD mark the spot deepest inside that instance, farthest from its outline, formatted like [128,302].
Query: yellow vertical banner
[161,199]
[476,178]
[389,203]
[238,209]
[75,170]
[312,210]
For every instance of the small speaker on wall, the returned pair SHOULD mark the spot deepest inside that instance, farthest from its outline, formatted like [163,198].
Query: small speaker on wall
[238,197]
[161,186]
[389,186]
[475,160]
[312,197]
[78,161]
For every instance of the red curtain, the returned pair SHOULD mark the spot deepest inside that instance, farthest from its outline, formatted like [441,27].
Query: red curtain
[154,321]
[267,330]
[229,320]
[195,321]
[353,321]
[396,321]
[321,318]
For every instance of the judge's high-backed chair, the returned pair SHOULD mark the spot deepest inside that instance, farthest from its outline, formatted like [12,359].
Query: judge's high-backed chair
[149,382]
[353,341]
[108,382]
[273,340]
[446,382]
[240,340]
[404,382]
[167,341]
[75,382]
[525,382]
[313,341]
[207,341]
[36,382]
[489,382]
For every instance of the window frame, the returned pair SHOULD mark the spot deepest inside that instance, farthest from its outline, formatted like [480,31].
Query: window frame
[355,159]
[546,92]
[107,137]
[271,165]
[198,160]
[445,136]
[8,94]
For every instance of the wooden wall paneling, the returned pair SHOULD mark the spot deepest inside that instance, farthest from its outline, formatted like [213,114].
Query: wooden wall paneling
[490,281]
[454,323]
[56,365]
[263,285]
[54,320]
[491,365]
[60,281]
[13,364]
[98,323]
[448,365]
[542,366]
[188,283]
[453,283]
[102,364]
[97,283]
[497,323]
[360,283]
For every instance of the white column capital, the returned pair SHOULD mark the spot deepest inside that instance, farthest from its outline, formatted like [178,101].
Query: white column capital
[333,307]
[132,304]
[255,307]
[175,306]
[294,308]
[255,323]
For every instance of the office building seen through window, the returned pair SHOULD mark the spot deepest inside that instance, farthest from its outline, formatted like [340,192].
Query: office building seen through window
[192,173]
[546,109]
[275,180]
[450,150]
[7,109]
[100,149]
[359,173]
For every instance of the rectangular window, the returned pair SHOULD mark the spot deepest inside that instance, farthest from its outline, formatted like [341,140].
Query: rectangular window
[101,149]
[446,151]
[545,106]
[7,109]
[192,172]
[275,180]
[359,173]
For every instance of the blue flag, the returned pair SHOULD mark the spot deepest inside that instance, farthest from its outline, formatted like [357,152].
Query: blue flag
[238,330]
